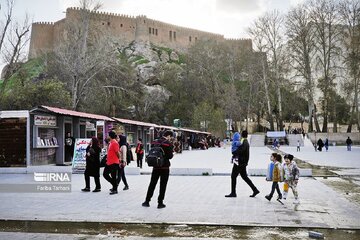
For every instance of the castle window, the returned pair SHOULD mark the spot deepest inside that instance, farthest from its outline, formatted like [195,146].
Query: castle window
[170,35]
[153,31]
[103,23]
[156,32]
[195,39]
[149,30]
[121,25]
[144,21]
[189,38]
[174,35]
[108,23]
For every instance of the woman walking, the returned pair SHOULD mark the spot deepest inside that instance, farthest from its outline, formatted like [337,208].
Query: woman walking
[92,165]
[121,172]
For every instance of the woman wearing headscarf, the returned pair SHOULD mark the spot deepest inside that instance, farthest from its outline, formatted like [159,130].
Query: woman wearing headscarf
[92,165]
[121,172]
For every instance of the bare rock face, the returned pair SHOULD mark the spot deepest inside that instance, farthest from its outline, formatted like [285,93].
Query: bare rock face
[146,71]
[164,57]
[174,56]
[146,59]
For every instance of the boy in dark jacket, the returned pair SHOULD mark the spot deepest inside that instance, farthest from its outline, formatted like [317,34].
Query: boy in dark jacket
[160,172]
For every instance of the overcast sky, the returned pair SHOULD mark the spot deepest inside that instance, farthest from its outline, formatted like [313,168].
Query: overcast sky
[227,17]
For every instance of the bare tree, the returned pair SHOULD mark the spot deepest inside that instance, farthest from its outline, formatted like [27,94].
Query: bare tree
[267,34]
[85,52]
[349,12]
[8,18]
[301,46]
[17,39]
[326,24]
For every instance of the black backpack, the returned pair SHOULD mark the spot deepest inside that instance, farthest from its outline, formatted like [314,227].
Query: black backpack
[155,158]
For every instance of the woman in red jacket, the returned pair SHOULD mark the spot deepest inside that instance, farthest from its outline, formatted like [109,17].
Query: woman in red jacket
[139,153]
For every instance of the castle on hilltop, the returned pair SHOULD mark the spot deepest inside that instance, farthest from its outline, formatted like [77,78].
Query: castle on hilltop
[45,36]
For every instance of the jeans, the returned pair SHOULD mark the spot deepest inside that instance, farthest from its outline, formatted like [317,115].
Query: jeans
[139,158]
[110,172]
[163,174]
[275,185]
[121,176]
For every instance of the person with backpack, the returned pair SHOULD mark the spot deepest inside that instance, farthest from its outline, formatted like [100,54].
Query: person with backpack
[277,176]
[159,157]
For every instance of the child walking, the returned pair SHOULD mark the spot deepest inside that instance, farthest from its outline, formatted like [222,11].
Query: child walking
[291,176]
[270,169]
[277,177]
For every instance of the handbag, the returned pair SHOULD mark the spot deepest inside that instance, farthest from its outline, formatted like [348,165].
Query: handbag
[103,161]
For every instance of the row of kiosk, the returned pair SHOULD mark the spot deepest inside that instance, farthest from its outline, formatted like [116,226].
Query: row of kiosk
[37,137]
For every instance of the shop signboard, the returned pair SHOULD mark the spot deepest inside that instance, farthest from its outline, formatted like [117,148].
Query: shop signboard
[79,158]
[48,121]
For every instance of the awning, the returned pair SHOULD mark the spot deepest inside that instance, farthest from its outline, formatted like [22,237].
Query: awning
[72,113]
[133,122]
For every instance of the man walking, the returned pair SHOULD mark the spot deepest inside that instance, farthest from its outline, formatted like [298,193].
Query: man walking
[112,162]
[161,172]
[348,143]
[240,167]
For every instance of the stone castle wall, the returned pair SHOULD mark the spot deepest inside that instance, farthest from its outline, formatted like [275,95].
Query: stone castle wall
[46,36]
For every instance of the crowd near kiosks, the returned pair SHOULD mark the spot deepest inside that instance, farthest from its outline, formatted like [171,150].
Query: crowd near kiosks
[54,136]
[56,132]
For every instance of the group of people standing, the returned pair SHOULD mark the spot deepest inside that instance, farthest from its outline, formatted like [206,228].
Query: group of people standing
[320,144]
[118,156]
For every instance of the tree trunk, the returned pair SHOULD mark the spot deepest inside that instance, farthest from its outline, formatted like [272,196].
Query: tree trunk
[280,121]
[335,119]
[267,97]
[315,120]
[310,109]
[351,119]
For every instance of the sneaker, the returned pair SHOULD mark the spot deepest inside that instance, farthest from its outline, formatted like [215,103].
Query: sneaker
[231,195]
[85,189]
[145,204]
[126,188]
[97,190]
[161,205]
[113,192]
[279,197]
[255,193]
[268,197]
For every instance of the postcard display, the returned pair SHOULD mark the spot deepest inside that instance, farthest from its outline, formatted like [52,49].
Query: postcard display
[45,142]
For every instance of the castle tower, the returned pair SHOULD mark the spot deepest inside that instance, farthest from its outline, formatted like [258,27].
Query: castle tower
[42,39]
[142,30]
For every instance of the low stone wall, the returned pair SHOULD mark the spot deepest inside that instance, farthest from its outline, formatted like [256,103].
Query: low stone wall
[337,138]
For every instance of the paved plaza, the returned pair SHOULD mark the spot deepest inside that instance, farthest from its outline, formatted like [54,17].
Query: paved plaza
[197,199]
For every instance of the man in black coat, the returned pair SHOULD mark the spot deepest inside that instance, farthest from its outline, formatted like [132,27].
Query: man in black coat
[240,168]
[160,172]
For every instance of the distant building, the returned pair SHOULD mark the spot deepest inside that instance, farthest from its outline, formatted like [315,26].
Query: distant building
[45,36]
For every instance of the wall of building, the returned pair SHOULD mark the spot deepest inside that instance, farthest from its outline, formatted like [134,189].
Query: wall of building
[125,29]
